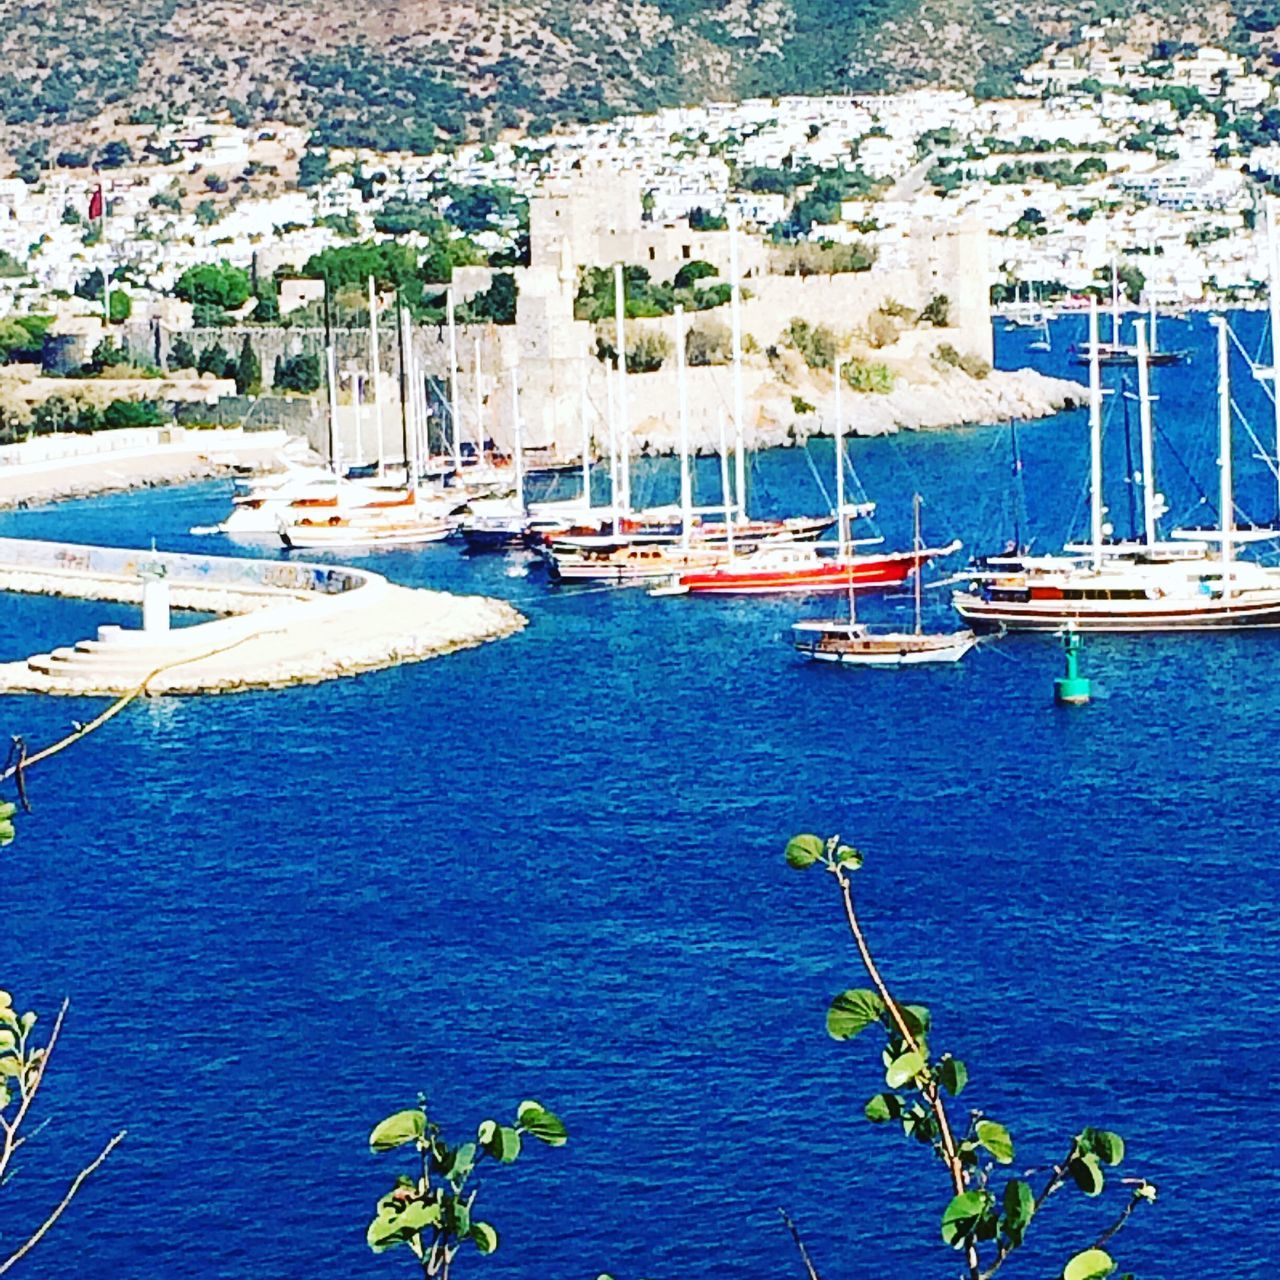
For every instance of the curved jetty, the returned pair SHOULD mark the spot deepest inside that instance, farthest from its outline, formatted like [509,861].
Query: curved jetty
[281,623]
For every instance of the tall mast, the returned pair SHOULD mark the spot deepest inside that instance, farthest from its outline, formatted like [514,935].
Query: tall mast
[517,436]
[375,369]
[404,392]
[1273,307]
[1151,317]
[624,444]
[1226,498]
[478,378]
[1115,304]
[357,391]
[612,410]
[331,378]
[841,530]
[454,416]
[682,390]
[724,482]
[735,309]
[917,546]
[1148,441]
[584,421]
[1095,437]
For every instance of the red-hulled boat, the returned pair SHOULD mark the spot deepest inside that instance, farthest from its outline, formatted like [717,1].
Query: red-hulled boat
[804,570]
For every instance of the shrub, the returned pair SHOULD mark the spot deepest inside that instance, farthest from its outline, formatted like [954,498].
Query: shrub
[936,312]
[881,331]
[974,366]
[817,344]
[822,259]
[298,373]
[861,375]
[132,413]
[707,343]
[647,351]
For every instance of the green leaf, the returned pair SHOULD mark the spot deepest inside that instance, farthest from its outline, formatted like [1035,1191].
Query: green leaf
[542,1124]
[7,834]
[1092,1264]
[1107,1146]
[484,1237]
[804,851]
[995,1137]
[502,1143]
[903,1070]
[1087,1172]
[883,1107]
[395,1226]
[851,1012]
[396,1130]
[848,856]
[7,810]
[458,1164]
[961,1218]
[953,1075]
[917,1018]
[1019,1207]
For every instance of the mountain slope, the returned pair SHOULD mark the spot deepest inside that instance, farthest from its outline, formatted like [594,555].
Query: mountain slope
[406,72]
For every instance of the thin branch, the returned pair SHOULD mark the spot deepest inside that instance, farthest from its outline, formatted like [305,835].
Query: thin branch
[804,1253]
[61,1207]
[959,1178]
[28,1090]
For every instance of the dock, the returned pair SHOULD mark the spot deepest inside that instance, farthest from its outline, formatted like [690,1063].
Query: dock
[279,623]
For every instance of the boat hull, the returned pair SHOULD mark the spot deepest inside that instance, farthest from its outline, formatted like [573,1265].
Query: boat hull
[859,647]
[1238,612]
[863,574]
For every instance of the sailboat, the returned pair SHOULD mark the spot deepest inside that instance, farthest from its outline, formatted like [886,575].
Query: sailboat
[1141,586]
[854,643]
[806,568]
[1116,352]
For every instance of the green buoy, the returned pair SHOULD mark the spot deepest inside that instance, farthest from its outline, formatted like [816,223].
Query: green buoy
[1072,689]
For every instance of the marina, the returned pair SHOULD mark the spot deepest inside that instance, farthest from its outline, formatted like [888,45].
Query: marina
[553,815]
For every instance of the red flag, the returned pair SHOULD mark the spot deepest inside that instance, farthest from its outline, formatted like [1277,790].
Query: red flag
[95,205]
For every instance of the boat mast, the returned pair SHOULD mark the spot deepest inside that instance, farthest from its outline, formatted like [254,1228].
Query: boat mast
[841,532]
[331,377]
[1273,307]
[1095,436]
[479,397]
[735,310]
[404,392]
[375,368]
[1148,441]
[454,432]
[1115,304]
[620,325]
[1151,315]
[686,485]
[917,546]
[517,437]
[585,423]
[611,407]
[1226,499]
[724,482]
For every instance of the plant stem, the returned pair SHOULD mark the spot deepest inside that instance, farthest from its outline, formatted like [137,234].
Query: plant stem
[804,1253]
[959,1178]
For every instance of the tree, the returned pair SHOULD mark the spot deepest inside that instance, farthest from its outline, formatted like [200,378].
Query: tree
[497,305]
[214,284]
[115,154]
[984,1221]
[701,219]
[431,1210]
[214,360]
[313,168]
[299,373]
[132,413]
[23,1065]
[106,355]
[120,308]
[182,354]
[248,370]
[206,213]
[692,272]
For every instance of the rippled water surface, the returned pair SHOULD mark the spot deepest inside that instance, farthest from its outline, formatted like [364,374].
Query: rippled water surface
[552,868]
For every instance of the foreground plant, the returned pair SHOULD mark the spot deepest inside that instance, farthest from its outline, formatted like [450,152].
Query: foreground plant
[432,1210]
[23,1064]
[987,1218]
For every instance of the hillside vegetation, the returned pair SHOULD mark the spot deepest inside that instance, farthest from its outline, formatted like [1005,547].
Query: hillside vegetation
[405,73]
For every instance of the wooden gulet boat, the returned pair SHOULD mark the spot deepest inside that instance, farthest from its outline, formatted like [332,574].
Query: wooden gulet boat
[855,644]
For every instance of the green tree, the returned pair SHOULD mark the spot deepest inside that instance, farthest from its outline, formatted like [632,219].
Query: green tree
[985,1220]
[120,307]
[214,284]
[206,213]
[115,154]
[214,360]
[497,305]
[24,1064]
[431,1210]
[182,354]
[248,370]
[313,168]
[299,373]
[106,355]
[132,413]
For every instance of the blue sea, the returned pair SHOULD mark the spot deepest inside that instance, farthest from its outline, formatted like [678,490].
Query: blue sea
[552,868]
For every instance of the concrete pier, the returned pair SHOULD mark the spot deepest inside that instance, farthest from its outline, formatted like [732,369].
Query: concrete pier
[281,623]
